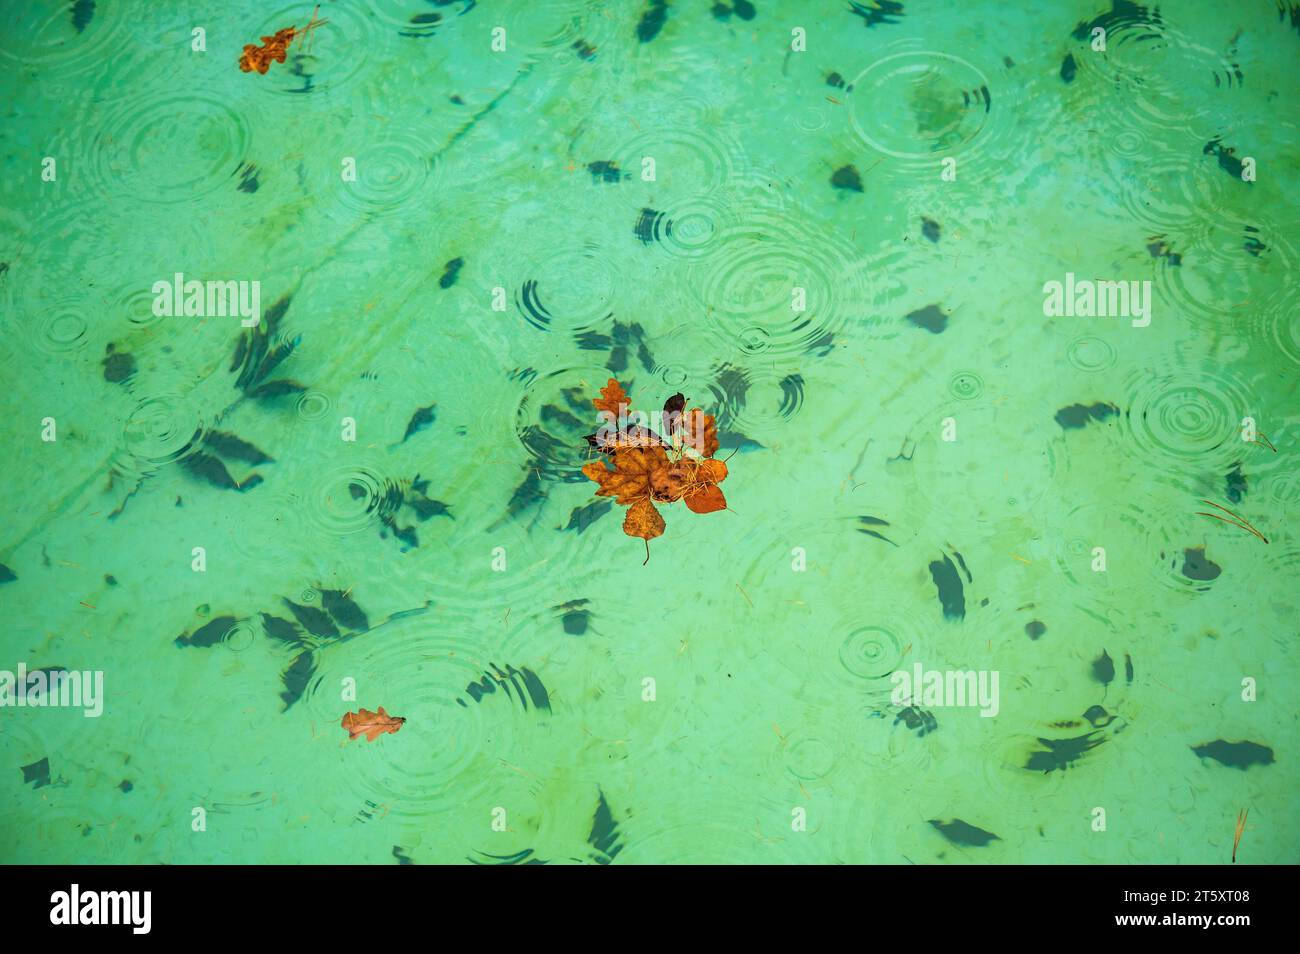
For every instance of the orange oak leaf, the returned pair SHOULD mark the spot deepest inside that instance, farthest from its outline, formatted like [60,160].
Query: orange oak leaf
[274,48]
[701,432]
[371,724]
[612,397]
[621,426]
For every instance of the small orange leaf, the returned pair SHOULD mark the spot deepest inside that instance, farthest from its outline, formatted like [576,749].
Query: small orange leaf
[371,724]
[707,499]
[274,48]
[712,471]
[612,397]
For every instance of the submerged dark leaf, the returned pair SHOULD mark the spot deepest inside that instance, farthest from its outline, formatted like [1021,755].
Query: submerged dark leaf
[961,833]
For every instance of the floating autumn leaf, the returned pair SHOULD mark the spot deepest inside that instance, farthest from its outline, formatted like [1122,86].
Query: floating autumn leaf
[631,480]
[612,398]
[668,484]
[712,471]
[674,409]
[708,499]
[702,494]
[643,521]
[701,432]
[371,724]
[622,427]
[274,48]
[609,439]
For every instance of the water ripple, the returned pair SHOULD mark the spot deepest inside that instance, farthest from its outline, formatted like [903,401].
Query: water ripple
[392,169]
[45,40]
[1145,537]
[553,417]
[772,399]
[1090,353]
[568,289]
[1154,77]
[160,429]
[445,754]
[916,106]
[1186,414]
[314,405]
[688,161]
[559,27]
[1166,194]
[45,292]
[778,276]
[348,499]
[689,228]
[168,148]
[62,325]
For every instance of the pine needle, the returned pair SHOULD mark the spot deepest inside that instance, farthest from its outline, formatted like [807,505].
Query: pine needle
[1241,828]
[1237,521]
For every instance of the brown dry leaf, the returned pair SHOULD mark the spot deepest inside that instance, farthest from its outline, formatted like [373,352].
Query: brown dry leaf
[702,494]
[612,396]
[631,479]
[371,724]
[619,430]
[609,440]
[668,484]
[643,521]
[274,48]
[273,51]
[671,416]
[707,498]
[701,432]
[711,471]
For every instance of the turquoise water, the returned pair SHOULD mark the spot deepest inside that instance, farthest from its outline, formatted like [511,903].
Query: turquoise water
[923,462]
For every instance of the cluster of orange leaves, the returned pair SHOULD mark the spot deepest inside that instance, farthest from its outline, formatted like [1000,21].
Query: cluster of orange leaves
[646,471]
[273,48]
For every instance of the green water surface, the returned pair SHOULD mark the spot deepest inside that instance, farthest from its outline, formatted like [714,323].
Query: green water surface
[740,202]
